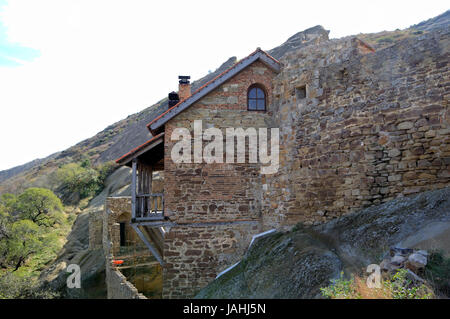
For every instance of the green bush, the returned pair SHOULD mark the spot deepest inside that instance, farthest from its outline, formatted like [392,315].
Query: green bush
[403,288]
[75,178]
[23,240]
[437,272]
[81,179]
[13,286]
[341,289]
[31,227]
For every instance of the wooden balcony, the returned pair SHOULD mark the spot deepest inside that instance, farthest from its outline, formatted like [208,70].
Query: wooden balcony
[149,207]
[145,205]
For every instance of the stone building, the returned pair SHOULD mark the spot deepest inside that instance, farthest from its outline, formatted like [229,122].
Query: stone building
[357,128]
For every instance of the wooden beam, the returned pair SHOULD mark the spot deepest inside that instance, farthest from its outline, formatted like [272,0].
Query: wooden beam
[150,179]
[133,189]
[146,254]
[148,244]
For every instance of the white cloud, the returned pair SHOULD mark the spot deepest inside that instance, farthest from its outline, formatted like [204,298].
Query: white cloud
[102,60]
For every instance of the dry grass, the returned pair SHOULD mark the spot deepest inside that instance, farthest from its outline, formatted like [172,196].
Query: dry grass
[396,286]
[364,292]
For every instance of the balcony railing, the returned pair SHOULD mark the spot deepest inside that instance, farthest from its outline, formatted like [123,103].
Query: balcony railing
[149,207]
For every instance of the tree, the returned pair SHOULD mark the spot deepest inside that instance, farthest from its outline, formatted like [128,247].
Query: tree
[23,240]
[40,205]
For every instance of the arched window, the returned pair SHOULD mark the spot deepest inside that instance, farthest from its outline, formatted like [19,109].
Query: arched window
[256,98]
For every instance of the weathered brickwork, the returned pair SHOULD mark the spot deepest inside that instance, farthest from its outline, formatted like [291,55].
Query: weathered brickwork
[218,192]
[195,255]
[117,209]
[373,126]
[118,286]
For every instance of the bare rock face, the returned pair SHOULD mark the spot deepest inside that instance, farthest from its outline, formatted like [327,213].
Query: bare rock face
[418,261]
[292,265]
[442,21]
[397,260]
[413,260]
[309,36]
[296,264]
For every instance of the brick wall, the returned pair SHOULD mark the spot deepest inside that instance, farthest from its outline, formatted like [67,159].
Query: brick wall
[218,192]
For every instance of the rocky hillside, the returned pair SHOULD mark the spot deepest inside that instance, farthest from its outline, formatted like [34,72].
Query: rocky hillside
[4,175]
[297,263]
[120,137]
[440,22]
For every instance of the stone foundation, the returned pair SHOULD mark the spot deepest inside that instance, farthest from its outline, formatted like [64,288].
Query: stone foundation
[118,287]
[194,256]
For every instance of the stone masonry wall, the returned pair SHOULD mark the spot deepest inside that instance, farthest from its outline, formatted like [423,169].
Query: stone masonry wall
[195,255]
[95,230]
[118,286]
[373,127]
[116,283]
[115,207]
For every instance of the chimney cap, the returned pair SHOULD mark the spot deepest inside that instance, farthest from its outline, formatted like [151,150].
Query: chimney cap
[184,79]
[173,96]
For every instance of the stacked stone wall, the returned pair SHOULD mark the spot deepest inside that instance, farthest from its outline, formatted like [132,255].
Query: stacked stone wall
[373,127]
[194,256]
[116,283]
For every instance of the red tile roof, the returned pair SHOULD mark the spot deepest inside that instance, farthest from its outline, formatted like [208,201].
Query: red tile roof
[138,148]
[211,81]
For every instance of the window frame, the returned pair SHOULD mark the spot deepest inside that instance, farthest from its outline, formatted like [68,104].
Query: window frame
[263,89]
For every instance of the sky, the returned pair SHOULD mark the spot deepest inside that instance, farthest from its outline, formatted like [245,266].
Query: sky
[70,68]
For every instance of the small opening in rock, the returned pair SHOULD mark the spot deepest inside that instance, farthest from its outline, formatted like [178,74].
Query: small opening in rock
[300,92]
